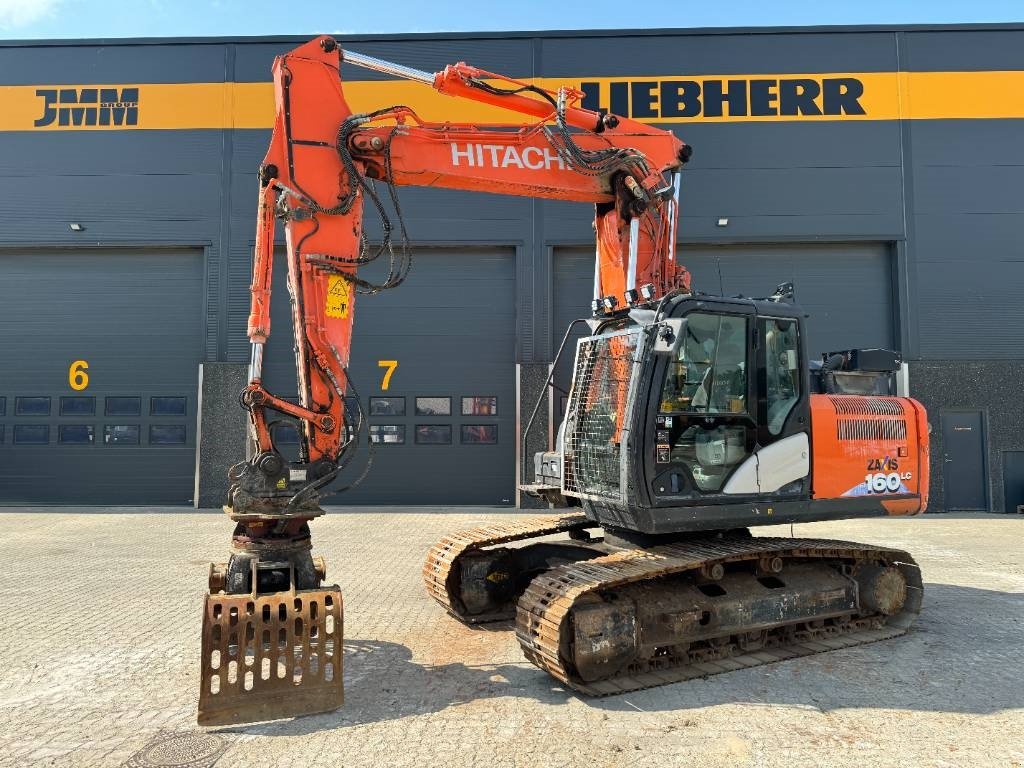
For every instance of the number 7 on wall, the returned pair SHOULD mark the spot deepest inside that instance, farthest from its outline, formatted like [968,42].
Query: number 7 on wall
[390,366]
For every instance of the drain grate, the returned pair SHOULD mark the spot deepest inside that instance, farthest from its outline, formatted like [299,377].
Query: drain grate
[192,749]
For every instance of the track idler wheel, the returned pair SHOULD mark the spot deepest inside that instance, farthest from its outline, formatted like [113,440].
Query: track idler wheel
[491,580]
[881,589]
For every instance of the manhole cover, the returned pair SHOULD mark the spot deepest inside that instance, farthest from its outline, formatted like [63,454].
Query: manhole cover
[179,750]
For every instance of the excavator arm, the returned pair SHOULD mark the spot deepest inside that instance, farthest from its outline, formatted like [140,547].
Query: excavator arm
[317,177]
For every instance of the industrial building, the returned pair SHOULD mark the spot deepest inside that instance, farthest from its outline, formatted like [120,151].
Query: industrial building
[880,169]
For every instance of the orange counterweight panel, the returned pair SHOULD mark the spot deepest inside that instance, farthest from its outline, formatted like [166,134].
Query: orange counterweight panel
[871,446]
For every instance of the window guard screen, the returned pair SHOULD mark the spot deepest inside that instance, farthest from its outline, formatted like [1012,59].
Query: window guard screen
[597,413]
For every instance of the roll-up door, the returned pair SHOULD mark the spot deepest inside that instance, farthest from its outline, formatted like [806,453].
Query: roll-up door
[99,356]
[846,288]
[444,425]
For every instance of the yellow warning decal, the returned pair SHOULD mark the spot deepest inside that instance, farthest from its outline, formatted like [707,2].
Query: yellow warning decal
[337,297]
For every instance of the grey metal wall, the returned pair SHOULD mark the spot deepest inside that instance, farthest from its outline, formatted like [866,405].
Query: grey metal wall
[846,288]
[944,192]
[944,189]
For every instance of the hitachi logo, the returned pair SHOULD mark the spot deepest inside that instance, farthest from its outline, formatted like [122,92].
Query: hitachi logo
[654,99]
[501,156]
[88,106]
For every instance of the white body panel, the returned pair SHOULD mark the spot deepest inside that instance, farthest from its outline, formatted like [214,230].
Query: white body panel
[772,467]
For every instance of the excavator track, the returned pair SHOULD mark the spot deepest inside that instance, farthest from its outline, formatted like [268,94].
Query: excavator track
[440,578]
[545,625]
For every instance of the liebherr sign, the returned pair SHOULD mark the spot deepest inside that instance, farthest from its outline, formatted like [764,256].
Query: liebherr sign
[646,99]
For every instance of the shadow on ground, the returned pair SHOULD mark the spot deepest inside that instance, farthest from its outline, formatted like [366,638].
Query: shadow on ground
[961,656]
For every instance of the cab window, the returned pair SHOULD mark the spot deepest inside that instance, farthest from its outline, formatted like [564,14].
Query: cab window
[781,346]
[709,374]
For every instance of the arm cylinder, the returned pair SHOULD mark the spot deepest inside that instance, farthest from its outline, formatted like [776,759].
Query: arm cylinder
[387,67]
[454,80]
[259,312]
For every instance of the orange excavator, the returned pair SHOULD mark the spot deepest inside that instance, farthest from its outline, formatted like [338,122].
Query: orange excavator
[690,418]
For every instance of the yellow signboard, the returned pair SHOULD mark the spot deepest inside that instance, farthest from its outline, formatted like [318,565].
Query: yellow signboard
[655,99]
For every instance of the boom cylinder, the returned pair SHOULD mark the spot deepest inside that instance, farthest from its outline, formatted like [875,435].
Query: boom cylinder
[256,362]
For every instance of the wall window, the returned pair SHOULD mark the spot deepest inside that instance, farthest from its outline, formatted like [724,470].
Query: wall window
[77,406]
[480,406]
[3,406]
[167,406]
[387,433]
[76,434]
[387,406]
[121,434]
[480,434]
[31,406]
[123,406]
[433,406]
[31,434]
[1,433]
[433,434]
[167,434]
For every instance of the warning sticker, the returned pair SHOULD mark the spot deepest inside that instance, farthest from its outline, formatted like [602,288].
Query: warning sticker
[337,297]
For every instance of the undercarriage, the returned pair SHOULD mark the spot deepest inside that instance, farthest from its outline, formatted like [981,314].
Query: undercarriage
[605,616]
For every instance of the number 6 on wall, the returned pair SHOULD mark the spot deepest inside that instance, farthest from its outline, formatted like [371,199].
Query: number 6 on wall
[77,376]
[390,365]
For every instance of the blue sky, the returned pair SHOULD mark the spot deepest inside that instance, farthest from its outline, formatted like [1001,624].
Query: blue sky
[160,18]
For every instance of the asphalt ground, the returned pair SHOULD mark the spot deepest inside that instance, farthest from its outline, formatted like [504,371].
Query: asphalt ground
[100,638]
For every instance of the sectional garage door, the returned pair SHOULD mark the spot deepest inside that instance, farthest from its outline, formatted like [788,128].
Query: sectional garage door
[846,288]
[446,422]
[118,427]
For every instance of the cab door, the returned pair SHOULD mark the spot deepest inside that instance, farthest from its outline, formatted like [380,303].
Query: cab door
[780,465]
[783,379]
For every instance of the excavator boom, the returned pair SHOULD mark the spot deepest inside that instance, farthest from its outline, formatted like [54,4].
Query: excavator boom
[316,175]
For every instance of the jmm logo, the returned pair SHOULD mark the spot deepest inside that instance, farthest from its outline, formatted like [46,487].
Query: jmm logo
[666,99]
[88,106]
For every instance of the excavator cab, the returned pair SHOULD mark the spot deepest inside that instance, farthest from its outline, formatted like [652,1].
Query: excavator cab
[706,417]
[727,411]
[716,391]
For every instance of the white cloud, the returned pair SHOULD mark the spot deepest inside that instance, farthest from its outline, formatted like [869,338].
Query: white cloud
[22,13]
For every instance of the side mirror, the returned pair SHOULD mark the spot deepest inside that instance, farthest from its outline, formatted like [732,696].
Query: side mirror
[668,336]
